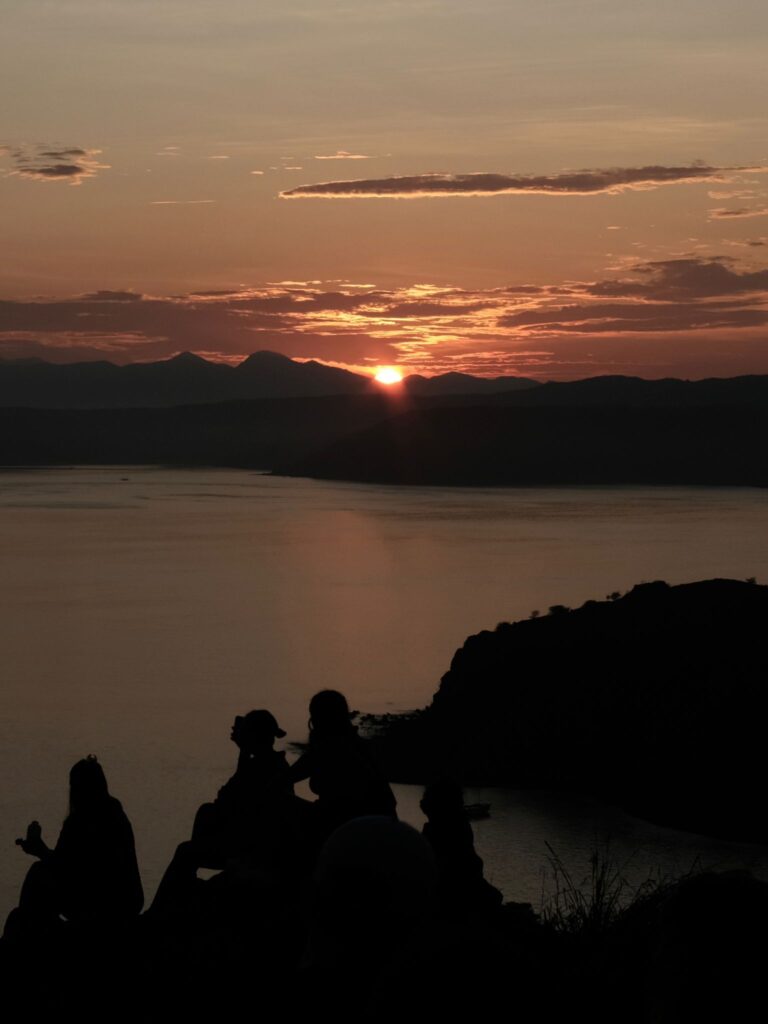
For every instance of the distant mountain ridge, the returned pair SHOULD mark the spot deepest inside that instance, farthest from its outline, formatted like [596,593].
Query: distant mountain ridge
[188,379]
[612,430]
[465,384]
[637,392]
[604,430]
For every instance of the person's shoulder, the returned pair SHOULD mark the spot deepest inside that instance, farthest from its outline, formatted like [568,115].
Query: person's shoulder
[115,813]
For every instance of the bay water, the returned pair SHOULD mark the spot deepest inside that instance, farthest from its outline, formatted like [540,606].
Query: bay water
[142,608]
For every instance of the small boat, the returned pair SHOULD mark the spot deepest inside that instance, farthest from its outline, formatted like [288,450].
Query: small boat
[477,811]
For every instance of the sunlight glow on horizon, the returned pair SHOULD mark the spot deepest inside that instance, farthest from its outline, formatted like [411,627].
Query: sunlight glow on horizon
[388,375]
[620,227]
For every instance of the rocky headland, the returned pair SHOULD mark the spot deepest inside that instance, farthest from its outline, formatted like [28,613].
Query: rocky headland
[655,701]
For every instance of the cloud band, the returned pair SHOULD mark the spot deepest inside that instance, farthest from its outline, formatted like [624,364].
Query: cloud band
[40,163]
[586,182]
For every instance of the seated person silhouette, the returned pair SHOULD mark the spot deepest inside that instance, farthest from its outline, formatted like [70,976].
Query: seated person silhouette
[91,876]
[340,768]
[254,827]
[461,885]
[256,800]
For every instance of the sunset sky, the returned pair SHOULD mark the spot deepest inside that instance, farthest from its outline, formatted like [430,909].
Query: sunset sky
[556,189]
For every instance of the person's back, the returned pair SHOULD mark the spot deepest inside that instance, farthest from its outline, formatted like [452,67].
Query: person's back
[91,875]
[261,778]
[95,864]
[252,815]
[345,776]
[341,770]
[449,833]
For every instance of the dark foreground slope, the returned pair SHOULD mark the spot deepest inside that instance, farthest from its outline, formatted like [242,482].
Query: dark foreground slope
[656,701]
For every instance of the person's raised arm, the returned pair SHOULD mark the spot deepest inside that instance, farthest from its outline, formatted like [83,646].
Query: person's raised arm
[33,843]
[302,768]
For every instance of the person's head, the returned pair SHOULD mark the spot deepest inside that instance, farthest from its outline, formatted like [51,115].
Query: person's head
[443,798]
[374,883]
[329,712]
[87,784]
[257,729]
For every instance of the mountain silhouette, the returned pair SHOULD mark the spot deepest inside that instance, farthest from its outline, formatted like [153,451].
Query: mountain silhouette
[613,390]
[614,430]
[189,379]
[465,384]
[258,434]
[508,443]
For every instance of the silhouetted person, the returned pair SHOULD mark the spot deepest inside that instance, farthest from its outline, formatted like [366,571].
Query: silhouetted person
[235,937]
[372,897]
[461,885]
[339,766]
[260,788]
[91,876]
[254,824]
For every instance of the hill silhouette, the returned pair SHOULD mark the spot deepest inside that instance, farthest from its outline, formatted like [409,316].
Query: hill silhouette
[255,435]
[465,384]
[507,444]
[655,701]
[636,392]
[189,379]
[607,430]
[184,379]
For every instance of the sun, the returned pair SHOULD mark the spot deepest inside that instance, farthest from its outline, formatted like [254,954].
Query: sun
[388,375]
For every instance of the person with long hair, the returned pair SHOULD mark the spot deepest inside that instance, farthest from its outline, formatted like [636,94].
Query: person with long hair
[91,876]
[340,767]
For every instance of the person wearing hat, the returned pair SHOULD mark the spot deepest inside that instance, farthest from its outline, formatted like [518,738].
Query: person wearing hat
[260,789]
[251,831]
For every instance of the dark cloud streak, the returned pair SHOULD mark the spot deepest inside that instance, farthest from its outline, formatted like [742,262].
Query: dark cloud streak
[738,213]
[585,182]
[694,277]
[38,163]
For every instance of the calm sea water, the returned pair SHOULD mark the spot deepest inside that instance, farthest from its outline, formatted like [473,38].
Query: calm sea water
[142,608]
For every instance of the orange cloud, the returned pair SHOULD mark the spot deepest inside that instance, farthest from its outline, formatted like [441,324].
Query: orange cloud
[342,154]
[657,314]
[182,202]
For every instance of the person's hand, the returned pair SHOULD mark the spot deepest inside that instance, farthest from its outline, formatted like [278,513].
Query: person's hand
[33,843]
